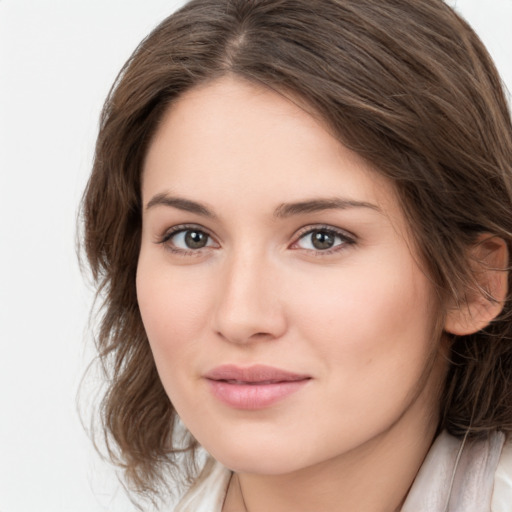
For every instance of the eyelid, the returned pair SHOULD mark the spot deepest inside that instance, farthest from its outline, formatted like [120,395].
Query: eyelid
[347,238]
[165,238]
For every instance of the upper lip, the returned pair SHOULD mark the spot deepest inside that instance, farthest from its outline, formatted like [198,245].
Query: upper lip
[256,374]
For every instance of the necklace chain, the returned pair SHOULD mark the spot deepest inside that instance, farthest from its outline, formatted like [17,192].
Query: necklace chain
[245,505]
[241,493]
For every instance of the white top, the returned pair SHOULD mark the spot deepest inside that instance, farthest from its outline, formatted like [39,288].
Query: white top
[456,476]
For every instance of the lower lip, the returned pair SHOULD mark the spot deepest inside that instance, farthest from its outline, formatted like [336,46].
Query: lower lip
[254,396]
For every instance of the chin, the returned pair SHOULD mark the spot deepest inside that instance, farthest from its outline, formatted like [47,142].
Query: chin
[258,464]
[263,454]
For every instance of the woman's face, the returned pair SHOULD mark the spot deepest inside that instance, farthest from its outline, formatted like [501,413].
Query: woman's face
[285,308]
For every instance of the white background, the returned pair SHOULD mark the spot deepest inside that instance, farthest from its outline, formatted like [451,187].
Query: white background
[57,61]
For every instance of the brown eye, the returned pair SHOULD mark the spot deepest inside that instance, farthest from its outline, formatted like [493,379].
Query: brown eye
[323,239]
[190,239]
[195,239]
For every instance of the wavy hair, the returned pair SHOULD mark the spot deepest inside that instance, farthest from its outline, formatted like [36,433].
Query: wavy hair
[406,84]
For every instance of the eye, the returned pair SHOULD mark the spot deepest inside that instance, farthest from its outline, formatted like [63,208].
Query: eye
[323,239]
[187,239]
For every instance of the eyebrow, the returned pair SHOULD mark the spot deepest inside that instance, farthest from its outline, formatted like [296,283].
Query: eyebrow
[181,204]
[318,205]
[282,211]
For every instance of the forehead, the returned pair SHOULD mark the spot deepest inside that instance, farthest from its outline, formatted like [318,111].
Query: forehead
[243,145]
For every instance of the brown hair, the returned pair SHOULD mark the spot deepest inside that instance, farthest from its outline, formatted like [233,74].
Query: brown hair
[406,84]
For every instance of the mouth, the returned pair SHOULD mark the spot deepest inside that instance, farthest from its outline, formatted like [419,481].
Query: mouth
[254,387]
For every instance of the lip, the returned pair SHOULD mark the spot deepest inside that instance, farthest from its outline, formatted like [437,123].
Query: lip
[253,387]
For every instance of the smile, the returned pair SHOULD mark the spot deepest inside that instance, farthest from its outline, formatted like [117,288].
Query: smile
[255,387]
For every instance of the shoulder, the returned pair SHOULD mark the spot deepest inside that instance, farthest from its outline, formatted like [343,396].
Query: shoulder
[502,492]
[470,475]
[209,491]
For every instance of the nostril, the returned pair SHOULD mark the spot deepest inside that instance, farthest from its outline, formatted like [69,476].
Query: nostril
[260,335]
[240,336]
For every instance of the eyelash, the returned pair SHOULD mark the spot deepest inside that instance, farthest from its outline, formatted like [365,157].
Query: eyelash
[346,238]
[182,228]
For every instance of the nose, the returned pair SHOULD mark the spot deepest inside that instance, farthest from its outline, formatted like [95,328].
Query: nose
[249,307]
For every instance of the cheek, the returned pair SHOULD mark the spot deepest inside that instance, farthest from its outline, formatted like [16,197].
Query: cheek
[358,318]
[373,334]
[173,309]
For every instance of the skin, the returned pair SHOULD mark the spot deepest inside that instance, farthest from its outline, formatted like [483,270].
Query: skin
[359,318]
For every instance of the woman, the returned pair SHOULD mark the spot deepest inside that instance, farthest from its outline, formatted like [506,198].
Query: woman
[299,220]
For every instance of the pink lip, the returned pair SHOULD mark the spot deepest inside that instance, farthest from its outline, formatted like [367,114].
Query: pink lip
[254,387]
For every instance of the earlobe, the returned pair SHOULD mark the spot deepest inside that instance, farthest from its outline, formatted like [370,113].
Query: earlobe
[484,300]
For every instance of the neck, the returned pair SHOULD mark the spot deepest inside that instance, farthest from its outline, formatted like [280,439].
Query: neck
[375,478]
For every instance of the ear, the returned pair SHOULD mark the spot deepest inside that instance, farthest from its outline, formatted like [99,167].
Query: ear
[483,303]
